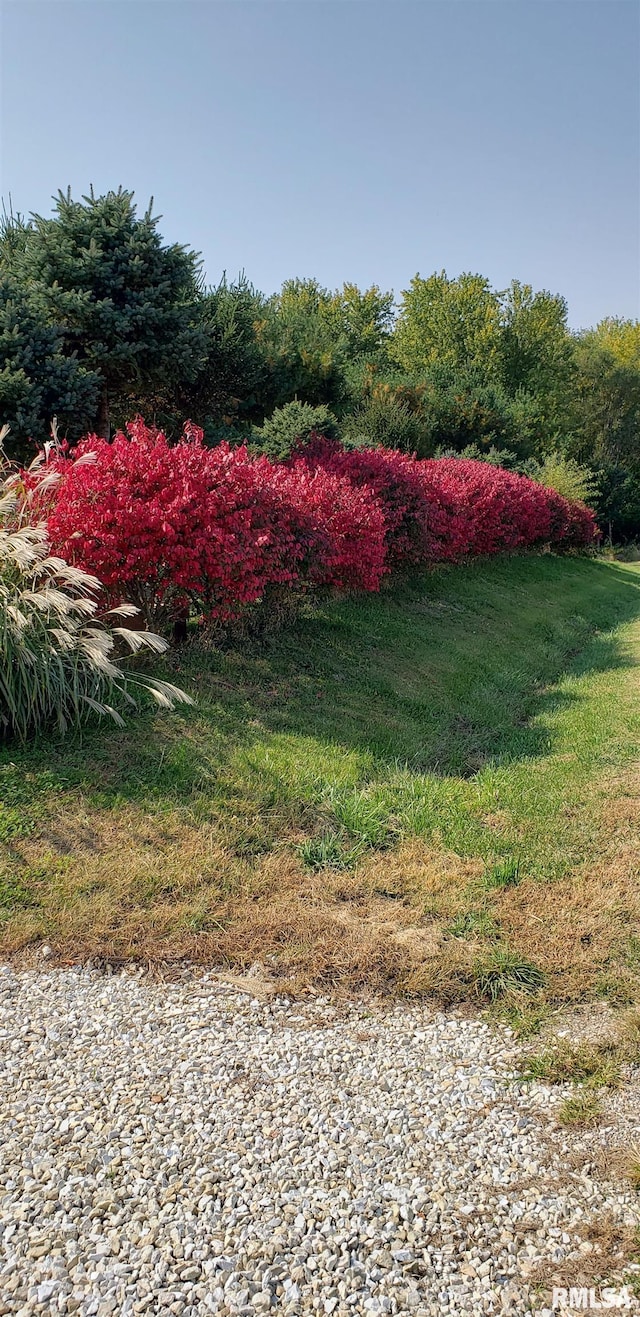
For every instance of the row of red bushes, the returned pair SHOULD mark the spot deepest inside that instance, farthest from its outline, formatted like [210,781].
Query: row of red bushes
[172,526]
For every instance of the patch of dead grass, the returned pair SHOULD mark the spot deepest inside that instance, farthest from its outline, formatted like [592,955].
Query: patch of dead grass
[575,928]
[614,1247]
[129,885]
[128,889]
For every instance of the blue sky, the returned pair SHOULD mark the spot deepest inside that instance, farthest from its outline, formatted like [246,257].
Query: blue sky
[346,139]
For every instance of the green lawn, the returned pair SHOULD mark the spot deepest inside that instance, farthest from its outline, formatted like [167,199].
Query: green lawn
[454,754]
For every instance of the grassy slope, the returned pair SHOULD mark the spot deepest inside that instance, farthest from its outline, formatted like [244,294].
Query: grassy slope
[411,740]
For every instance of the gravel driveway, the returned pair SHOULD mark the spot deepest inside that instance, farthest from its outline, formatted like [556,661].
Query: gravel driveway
[183,1148]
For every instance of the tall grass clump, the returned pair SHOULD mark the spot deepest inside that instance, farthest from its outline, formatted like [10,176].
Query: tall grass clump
[60,662]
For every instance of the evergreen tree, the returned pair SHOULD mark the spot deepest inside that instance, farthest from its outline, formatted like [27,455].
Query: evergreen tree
[37,380]
[123,303]
[231,379]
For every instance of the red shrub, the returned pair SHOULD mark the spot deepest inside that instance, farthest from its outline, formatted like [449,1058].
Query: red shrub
[583,530]
[446,507]
[573,525]
[421,525]
[345,536]
[168,526]
[163,525]
[498,509]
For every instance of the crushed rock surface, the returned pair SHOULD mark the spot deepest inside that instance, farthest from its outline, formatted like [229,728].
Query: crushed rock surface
[186,1148]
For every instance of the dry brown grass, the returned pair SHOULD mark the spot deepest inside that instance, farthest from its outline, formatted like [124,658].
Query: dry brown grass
[120,886]
[575,928]
[147,892]
[613,1248]
[578,928]
[631,1167]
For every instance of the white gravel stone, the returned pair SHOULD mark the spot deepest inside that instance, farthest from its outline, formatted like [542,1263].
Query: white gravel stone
[184,1148]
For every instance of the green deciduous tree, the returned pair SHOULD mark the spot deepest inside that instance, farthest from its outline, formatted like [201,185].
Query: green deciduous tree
[362,321]
[497,366]
[568,478]
[304,355]
[454,322]
[310,336]
[606,420]
[606,403]
[537,357]
[536,350]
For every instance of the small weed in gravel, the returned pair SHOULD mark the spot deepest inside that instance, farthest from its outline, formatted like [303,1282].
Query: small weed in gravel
[523,1015]
[582,1108]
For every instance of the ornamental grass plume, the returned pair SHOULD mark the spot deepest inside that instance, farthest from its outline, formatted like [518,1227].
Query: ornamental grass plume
[59,660]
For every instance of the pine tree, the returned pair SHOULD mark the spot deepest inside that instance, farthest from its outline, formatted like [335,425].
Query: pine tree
[124,304]
[37,380]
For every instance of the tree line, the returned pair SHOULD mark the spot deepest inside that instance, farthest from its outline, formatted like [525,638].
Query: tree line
[100,320]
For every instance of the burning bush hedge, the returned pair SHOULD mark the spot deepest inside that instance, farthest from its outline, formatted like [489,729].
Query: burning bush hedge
[183,526]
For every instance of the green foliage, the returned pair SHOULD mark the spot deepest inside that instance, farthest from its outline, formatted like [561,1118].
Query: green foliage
[292,424]
[384,406]
[232,376]
[502,972]
[465,408]
[497,367]
[621,338]
[535,346]
[304,356]
[122,303]
[503,457]
[536,357]
[606,403]
[449,321]
[364,320]
[444,409]
[568,478]
[384,419]
[618,502]
[37,380]
[309,337]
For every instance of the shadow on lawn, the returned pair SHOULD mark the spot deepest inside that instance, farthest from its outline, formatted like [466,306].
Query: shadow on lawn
[446,675]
